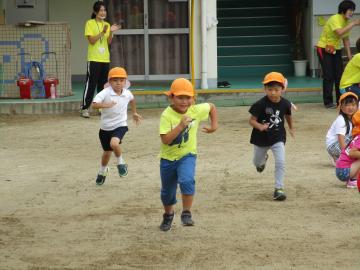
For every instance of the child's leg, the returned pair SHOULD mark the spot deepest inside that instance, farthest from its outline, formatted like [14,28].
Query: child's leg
[259,155]
[105,158]
[278,150]
[168,184]
[186,179]
[355,169]
[115,146]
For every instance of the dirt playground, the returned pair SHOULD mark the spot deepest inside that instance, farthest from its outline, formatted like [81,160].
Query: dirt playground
[53,216]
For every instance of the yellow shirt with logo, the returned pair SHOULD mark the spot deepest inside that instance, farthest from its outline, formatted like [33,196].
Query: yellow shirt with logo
[351,74]
[185,142]
[98,52]
[328,36]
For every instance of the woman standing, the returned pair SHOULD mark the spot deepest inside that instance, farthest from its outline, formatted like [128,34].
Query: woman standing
[336,28]
[99,34]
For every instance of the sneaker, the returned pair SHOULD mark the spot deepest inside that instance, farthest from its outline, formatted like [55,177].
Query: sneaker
[279,195]
[262,167]
[167,221]
[186,219]
[100,179]
[85,113]
[352,183]
[122,168]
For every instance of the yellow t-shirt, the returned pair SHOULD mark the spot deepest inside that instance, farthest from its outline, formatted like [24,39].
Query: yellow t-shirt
[185,142]
[351,74]
[328,36]
[98,52]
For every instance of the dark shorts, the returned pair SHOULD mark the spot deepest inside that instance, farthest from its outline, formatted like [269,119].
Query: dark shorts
[106,135]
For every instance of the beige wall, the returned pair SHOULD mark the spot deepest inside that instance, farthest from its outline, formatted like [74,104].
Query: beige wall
[75,13]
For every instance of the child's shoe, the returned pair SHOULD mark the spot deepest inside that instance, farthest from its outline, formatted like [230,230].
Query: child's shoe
[279,194]
[351,183]
[100,179]
[122,168]
[186,219]
[167,221]
[85,113]
[262,167]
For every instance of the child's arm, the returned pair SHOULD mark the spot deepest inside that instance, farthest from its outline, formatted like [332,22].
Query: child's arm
[169,137]
[341,140]
[136,117]
[354,153]
[255,124]
[213,119]
[102,105]
[290,124]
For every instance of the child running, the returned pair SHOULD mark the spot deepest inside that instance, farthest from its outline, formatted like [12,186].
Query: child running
[348,164]
[267,120]
[178,127]
[339,134]
[114,100]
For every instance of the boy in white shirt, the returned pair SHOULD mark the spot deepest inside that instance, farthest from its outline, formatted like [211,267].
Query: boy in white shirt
[114,100]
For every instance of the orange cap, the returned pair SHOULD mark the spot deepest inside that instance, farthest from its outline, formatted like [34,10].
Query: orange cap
[343,96]
[181,87]
[117,72]
[274,77]
[356,123]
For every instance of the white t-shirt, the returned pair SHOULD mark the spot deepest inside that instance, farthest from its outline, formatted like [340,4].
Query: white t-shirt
[337,127]
[116,116]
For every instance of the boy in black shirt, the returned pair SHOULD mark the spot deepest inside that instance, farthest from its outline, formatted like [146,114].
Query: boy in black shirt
[267,120]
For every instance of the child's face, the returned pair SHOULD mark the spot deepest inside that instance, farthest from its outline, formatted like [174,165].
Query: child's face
[274,92]
[181,103]
[117,84]
[349,13]
[349,108]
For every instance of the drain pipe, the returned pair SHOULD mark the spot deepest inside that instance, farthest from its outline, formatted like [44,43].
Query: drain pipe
[204,83]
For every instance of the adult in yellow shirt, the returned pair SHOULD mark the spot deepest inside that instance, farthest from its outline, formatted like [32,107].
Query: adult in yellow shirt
[99,34]
[336,28]
[350,79]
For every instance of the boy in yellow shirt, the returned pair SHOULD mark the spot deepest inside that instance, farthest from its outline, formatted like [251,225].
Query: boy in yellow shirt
[178,127]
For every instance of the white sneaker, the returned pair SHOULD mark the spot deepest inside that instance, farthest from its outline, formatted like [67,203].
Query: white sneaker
[85,113]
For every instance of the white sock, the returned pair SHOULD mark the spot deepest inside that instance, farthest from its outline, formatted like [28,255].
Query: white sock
[121,160]
[102,169]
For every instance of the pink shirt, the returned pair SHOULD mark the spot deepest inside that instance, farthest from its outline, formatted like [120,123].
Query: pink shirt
[344,160]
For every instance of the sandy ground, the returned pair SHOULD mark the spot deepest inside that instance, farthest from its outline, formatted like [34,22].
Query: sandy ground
[53,216]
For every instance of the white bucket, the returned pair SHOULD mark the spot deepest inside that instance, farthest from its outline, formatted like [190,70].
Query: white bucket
[300,68]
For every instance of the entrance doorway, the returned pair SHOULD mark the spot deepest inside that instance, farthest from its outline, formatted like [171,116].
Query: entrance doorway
[153,43]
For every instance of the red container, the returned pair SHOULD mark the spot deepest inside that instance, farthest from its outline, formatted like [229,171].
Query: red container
[47,83]
[25,87]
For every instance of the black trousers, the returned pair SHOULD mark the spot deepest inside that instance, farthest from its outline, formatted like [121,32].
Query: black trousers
[332,69]
[96,77]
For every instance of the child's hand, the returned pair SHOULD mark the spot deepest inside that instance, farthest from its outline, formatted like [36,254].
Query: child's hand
[292,132]
[208,129]
[137,118]
[185,121]
[264,127]
[115,27]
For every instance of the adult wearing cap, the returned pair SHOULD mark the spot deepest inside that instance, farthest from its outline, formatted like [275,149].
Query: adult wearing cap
[336,29]
[99,35]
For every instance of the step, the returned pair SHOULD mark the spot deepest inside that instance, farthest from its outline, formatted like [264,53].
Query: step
[253,3]
[260,70]
[252,21]
[254,60]
[253,49]
[252,30]
[253,40]
[252,11]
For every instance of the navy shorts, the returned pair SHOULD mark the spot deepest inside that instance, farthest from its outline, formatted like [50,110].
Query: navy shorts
[106,135]
[343,174]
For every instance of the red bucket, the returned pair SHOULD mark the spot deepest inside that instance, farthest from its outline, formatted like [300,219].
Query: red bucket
[47,84]
[25,87]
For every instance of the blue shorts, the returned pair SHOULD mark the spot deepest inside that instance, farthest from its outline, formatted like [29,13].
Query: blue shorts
[106,135]
[343,174]
[175,172]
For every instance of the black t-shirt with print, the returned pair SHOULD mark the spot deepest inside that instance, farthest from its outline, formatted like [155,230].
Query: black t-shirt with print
[267,111]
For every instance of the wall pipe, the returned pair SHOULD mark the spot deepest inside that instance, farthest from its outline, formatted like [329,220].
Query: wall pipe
[204,83]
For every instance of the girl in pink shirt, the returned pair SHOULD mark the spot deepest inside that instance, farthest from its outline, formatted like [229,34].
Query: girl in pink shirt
[348,164]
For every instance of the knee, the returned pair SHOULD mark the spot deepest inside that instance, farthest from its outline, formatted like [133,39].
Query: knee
[114,144]
[187,187]
[168,197]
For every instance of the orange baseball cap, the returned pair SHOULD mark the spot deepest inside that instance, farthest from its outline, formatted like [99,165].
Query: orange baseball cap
[181,87]
[274,77]
[356,123]
[117,72]
[347,94]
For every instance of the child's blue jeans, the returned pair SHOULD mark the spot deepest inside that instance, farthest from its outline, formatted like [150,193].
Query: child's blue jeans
[175,172]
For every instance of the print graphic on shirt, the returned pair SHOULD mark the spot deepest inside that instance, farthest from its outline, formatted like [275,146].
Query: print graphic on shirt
[274,118]
[183,137]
